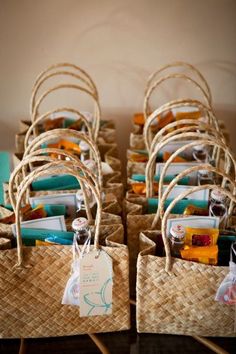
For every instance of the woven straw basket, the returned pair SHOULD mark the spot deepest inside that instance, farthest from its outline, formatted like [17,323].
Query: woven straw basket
[175,296]
[32,279]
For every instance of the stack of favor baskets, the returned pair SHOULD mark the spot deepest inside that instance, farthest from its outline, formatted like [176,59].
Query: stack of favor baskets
[178,153]
[66,150]
[60,152]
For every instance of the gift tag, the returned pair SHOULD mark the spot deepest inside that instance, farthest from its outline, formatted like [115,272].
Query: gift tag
[95,296]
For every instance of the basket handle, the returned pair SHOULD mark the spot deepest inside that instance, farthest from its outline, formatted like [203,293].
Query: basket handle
[47,76]
[176,129]
[46,115]
[66,168]
[184,65]
[58,133]
[149,171]
[37,156]
[176,104]
[157,83]
[210,141]
[229,158]
[225,175]
[71,66]
[96,122]
[168,264]
[191,128]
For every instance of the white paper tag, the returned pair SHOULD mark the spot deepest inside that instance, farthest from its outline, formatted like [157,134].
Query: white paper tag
[67,199]
[176,168]
[49,223]
[95,297]
[203,222]
[177,190]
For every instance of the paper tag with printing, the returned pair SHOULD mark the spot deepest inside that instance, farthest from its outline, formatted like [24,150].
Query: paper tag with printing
[96,284]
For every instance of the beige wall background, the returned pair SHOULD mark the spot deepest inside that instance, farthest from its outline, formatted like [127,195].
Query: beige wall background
[119,43]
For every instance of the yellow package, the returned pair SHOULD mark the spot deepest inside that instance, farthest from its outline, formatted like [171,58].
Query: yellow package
[43,243]
[201,237]
[205,255]
[187,115]
[140,188]
[166,156]
[193,210]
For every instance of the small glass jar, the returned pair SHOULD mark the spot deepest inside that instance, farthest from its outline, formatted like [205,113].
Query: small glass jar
[200,153]
[84,147]
[177,237]
[205,177]
[82,230]
[218,206]
[81,210]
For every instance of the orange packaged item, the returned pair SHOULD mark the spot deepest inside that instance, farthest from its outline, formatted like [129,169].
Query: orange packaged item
[11,219]
[201,237]
[193,210]
[36,213]
[205,255]
[140,188]
[166,156]
[135,157]
[50,124]
[165,119]
[138,118]
[68,145]
[187,115]
[65,145]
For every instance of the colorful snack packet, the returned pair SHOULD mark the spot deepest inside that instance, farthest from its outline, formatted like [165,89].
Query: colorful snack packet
[140,188]
[201,237]
[187,115]
[205,255]
[166,156]
[193,210]
[37,213]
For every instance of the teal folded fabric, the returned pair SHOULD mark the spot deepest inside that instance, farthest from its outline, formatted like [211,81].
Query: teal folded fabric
[29,236]
[178,208]
[59,182]
[4,172]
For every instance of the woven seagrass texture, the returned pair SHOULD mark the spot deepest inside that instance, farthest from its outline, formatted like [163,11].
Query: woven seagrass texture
[181,302]
[31,292]
[176,296]
[135,222]
[31,297]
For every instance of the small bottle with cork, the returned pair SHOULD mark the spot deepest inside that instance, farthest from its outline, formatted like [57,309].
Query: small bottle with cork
[218,206]
[177,237]
[201,154]
[82,230]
